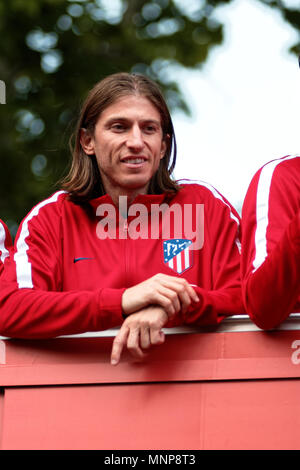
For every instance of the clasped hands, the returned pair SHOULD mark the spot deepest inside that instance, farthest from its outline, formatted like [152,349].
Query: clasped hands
[148,306]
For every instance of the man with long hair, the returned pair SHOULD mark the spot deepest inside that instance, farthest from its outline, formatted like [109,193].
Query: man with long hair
[85,261]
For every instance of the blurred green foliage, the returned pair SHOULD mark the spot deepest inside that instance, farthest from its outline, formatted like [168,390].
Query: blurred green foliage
[53,51]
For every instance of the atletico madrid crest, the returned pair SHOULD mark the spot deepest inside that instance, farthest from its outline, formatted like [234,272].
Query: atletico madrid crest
[178,255]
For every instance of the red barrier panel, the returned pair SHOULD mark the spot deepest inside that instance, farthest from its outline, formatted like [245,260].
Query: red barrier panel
[231,388]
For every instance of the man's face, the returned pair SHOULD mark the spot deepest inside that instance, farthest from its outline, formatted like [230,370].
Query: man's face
[128,144]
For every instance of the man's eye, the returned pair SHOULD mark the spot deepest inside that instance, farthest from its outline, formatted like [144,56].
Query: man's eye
[150,129]
[118,127]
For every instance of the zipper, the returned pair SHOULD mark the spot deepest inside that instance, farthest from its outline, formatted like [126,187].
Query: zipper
[126,252]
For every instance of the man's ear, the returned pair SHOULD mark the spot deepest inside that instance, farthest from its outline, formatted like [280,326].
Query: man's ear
[87,142]
[164,146]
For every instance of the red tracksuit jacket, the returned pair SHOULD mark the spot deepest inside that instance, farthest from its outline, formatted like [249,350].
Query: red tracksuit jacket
[64,279]
[271,243]
[5,244]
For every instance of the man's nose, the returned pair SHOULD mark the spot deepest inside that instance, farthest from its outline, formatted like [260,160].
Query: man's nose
[135,138]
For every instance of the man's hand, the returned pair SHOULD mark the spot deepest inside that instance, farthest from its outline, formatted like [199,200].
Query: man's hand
[138,332]
[172,293]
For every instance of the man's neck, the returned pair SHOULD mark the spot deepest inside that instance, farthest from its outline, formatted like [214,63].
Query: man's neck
[130,195]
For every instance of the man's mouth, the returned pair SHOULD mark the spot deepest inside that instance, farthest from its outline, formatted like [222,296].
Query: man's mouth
[134,160]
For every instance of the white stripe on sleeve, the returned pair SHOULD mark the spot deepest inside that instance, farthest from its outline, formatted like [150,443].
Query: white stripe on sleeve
[23,266]
[4,252]
[217,195]
[262,209]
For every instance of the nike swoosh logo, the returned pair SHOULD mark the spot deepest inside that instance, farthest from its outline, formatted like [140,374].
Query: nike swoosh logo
[80,259]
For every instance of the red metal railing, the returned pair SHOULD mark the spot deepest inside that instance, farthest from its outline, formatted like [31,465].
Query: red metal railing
[231,387]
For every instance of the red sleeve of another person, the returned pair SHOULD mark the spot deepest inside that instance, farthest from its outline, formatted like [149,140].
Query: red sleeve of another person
[271,243]
[5,244]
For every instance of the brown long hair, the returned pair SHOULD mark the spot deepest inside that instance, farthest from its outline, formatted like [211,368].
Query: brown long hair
[83,182]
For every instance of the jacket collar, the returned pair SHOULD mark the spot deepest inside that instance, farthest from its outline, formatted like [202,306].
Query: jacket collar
[148,200]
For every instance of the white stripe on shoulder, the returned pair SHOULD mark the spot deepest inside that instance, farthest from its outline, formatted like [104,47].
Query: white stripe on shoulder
[23,266]
[262,208]
[215,192]
[219,196]
[3,251]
